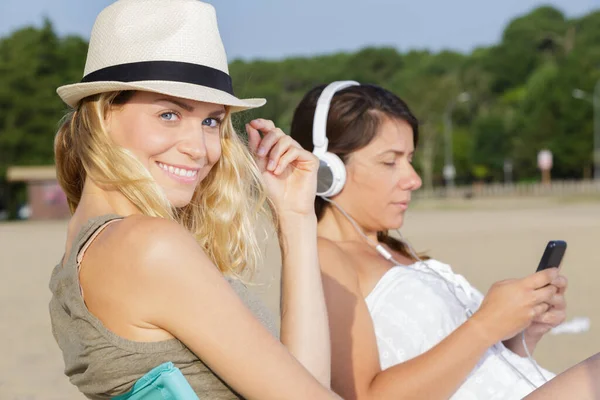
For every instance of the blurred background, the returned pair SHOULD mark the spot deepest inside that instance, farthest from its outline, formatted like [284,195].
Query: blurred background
[508,94]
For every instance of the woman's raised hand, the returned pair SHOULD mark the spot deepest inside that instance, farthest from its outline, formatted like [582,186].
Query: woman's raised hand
[289,171]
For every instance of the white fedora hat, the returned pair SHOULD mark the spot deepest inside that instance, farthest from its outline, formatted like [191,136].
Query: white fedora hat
[171,47]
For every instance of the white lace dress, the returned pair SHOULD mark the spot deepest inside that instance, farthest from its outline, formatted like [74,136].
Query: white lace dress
[413,309]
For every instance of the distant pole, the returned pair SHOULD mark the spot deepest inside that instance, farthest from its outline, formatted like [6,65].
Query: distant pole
[508,169]
[595,100]
[449,170]
[596,154]
[545,165]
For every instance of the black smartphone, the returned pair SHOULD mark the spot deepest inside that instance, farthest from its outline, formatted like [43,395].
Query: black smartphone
[552,257]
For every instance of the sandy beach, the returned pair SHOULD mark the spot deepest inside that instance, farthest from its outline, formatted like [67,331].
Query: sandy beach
[485,241]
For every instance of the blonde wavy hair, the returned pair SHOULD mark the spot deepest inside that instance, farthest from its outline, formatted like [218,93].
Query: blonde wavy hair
[224,209]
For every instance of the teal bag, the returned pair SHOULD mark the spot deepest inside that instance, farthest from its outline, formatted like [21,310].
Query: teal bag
[165,382]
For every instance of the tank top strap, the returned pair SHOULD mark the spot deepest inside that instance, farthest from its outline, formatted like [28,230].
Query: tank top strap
[89,237]
[86,235]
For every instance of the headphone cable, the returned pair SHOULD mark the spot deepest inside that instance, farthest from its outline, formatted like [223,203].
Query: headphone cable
[389,257]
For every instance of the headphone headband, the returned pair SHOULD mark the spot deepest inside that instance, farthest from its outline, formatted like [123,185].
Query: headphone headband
[320,141]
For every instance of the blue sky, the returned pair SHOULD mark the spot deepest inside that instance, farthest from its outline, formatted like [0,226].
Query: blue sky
[274,29]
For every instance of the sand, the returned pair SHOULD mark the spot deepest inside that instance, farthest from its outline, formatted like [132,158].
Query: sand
[484,240]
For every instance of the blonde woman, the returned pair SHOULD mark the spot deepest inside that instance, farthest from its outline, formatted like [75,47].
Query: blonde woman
[165,197]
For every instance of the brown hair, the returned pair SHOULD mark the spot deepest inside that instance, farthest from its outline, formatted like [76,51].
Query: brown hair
[355,115]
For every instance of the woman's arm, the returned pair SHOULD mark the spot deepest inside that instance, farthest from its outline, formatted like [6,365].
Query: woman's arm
[184,293]
[435,374]
[290,175]
[304,322]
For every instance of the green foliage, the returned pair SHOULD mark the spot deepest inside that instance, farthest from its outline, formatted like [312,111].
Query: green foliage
[33,63]
[520,92]
[480,172]
[526,43]
[491,145]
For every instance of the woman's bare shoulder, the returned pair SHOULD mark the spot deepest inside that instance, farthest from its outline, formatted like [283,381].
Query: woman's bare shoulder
[148,247]
[336,262]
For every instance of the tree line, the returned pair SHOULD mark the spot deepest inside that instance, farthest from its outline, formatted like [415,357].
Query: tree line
[506,102]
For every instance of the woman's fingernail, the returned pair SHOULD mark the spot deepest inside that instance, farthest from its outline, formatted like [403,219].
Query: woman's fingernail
[261,151]
[271,165]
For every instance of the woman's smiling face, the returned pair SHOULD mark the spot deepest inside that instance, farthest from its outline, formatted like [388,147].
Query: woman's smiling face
[177,140]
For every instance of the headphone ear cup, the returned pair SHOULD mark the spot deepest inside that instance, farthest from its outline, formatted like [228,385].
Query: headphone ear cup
[331,176]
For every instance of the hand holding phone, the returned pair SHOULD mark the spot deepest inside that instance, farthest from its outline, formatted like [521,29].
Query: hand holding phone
[552,257]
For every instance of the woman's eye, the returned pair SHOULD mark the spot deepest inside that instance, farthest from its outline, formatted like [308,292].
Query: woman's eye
[211,122]
[390,164]
[169,116]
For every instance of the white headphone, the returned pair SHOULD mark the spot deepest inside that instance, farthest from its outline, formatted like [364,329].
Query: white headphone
[331,176]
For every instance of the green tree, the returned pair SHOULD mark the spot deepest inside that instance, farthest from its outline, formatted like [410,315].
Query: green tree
[520,93]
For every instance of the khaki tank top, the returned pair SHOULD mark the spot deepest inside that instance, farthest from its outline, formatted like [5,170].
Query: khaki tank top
[102,364]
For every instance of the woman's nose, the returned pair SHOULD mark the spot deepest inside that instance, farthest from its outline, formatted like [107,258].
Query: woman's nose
[411,181]
[194,145]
